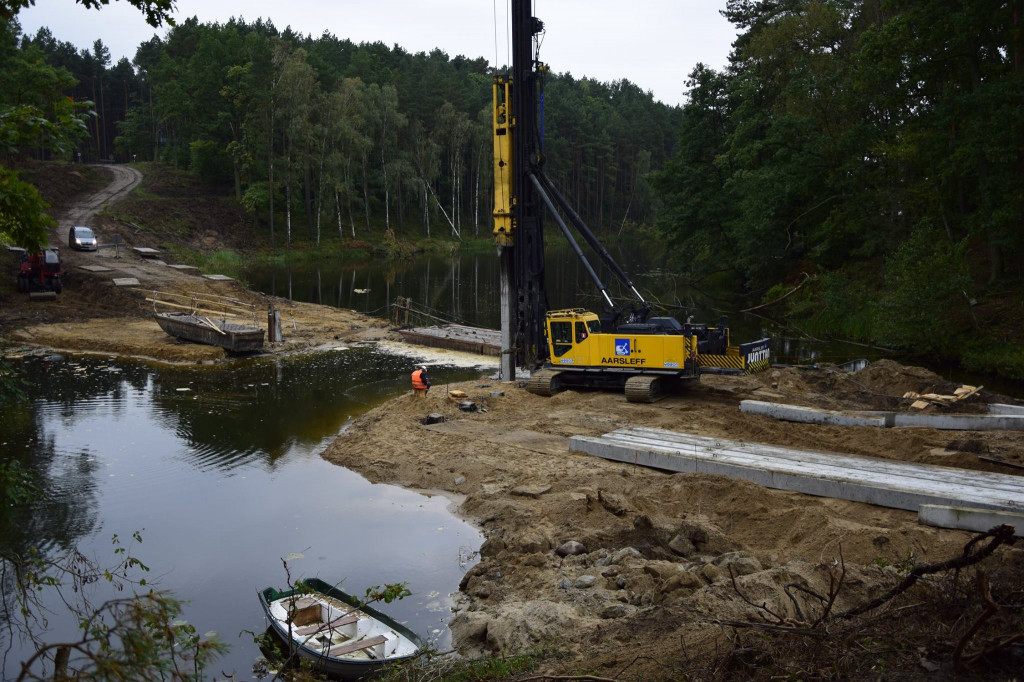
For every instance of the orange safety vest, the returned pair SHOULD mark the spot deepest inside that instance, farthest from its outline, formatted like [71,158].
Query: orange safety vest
[417,380]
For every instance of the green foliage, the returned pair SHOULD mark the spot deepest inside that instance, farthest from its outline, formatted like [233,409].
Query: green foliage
[23,218]
[999,356]
[924,303]
[391,247]
[157,12]
[17,485]
[846,306]
[140,636]
[209,162]
[387,594]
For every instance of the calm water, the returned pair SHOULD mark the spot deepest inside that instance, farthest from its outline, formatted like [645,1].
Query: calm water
[464,287]
[223,480]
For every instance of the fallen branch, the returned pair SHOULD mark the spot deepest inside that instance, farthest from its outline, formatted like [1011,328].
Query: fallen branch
[583,678]
[807,278]
[789,629]
[1000,535]
[763,606]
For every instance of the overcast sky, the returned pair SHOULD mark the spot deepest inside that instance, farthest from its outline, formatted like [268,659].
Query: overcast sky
[653,43]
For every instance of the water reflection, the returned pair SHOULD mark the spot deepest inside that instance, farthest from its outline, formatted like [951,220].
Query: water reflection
[219,468]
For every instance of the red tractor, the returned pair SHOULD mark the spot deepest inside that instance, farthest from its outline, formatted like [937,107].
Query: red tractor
[40,271]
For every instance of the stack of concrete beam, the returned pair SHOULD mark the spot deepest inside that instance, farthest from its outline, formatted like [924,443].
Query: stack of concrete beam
[887,483]
[1002,417]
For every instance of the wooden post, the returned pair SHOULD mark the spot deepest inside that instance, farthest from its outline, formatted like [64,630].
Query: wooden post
[274,326]
[408,304]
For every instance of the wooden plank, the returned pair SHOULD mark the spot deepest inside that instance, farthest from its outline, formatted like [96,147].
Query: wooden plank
[357,646]
[805,476]
[347,619]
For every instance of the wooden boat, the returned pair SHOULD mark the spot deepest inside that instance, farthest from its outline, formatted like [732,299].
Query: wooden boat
[237,338]
[335,633]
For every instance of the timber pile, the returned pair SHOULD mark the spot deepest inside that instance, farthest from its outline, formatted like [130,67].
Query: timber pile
[921,401]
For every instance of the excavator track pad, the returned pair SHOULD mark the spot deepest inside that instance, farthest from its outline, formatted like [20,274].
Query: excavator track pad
[645,389]
[545,382]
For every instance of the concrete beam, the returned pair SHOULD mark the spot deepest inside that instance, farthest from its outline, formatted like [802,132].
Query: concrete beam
[860,479]
[1008,420]
[961,422]
[811,415]
[673,440]
[1000,408]
[968,518]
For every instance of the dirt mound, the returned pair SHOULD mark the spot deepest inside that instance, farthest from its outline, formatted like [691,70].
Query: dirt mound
[659,549]
[61,184]
[892,378]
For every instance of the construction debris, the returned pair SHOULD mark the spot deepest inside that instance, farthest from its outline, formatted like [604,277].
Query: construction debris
[921,401]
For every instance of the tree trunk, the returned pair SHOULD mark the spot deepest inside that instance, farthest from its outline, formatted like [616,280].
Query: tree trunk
[288,191]
[307,189]
[366,193]
[270,157]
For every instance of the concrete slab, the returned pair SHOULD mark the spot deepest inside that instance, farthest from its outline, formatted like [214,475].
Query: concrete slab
[855,463]
[157,261]
[125,282]
[810,415]
[146,252]
[968,518]
[951,422]
[1000,408]
[179,266]
[961,422]
[220,278]
[885,483]
[96,268]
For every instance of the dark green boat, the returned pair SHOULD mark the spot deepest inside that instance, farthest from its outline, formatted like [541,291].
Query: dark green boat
[333,631]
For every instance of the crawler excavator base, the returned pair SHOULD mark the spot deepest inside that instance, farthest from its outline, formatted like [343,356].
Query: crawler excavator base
[642,388]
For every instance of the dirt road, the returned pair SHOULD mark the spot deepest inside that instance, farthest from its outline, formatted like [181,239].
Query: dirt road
[125,179]
[94,315]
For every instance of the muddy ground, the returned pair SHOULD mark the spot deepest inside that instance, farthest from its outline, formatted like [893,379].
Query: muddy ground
[94,315]
[632,601]
[657,549]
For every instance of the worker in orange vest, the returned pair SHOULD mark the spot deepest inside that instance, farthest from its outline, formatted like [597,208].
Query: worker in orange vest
[420,382]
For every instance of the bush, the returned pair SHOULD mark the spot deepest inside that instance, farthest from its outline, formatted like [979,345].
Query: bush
[923,304]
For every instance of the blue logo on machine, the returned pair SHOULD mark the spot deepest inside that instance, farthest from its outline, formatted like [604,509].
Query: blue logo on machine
[622,346]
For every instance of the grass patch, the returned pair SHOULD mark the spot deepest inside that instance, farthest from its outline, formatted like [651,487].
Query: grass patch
[219,262]
[995,356]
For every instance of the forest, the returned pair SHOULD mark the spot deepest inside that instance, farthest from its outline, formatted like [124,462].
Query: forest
[874,150]
[859,161]
[325,136]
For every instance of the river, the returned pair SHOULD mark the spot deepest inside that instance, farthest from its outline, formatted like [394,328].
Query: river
[219,470]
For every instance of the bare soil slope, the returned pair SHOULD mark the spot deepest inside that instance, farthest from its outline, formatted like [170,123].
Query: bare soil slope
[93,315]
[631,594]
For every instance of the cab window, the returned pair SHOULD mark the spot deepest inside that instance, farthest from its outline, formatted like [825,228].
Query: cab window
[581,332]
[561,337]
[594,326]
